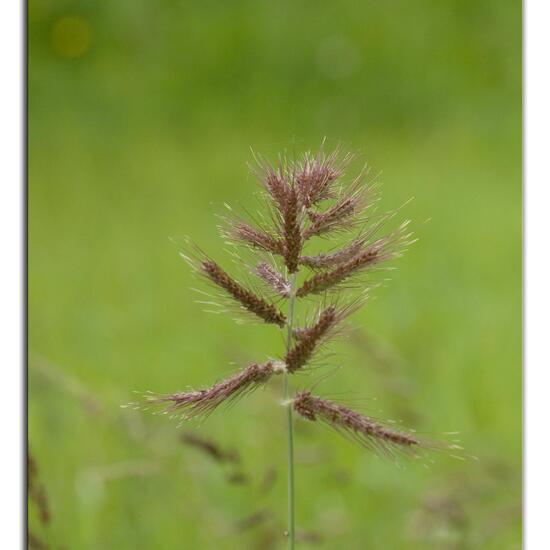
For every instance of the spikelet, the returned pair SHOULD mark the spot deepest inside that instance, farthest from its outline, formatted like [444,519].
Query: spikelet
[310,339]
[273,279]
[383,249]
[291,230]
[369,432]
[332,259]
[255,238]
[272,180]
[316,175]
[326,280]
[202,402]
[338,217]
[247,299]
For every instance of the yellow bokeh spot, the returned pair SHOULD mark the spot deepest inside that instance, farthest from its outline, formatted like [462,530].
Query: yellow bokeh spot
[71,36]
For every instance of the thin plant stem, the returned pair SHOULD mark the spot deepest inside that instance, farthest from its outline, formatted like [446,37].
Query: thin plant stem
[290,426]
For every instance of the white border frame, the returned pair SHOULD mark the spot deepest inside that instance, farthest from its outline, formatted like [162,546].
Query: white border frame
[13,273]
[536,250]
[536,273]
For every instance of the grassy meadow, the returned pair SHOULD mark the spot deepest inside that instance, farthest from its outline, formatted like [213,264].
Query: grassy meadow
[141,119]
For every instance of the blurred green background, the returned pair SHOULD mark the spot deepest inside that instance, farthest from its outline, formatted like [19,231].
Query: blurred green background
[141,119]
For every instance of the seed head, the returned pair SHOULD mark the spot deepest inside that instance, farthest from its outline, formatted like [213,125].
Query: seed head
[246,298]
[310,338]
[255,238]
[277,187]
[316,175]
[291,230]
[339,216]
[368,431]
[332,259]
[273,278]
[272,180]
[294,192]
[203,402]
[328,279]
[381,250]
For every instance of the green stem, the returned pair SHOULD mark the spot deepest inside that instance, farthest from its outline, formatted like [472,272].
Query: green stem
[290,426]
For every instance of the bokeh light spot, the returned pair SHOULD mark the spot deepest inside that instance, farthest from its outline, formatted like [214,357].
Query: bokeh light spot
[71,36]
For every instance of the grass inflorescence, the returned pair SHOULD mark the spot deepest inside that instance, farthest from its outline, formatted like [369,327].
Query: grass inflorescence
[304,199]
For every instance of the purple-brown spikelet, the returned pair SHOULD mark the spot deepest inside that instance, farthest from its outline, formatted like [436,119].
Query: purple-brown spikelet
[247,299]
[202,402]
[341,312]
[339,216]
[273,279]
[277,187]
[291,230]
[314,184]
[368,431]
[256,238]
[332,259]
[316,175]
[372,433]
[272,180]
[375,253]
[310,339]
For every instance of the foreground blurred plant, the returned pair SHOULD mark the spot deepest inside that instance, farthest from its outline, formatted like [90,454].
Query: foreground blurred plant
[294,193]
